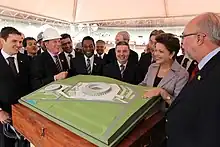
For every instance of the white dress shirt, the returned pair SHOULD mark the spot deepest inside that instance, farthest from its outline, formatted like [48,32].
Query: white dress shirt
[101,56]
[119,64]
[208,57]
[91,61]
[5,55]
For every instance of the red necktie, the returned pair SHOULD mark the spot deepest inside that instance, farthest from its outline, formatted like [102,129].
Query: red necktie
[194,72]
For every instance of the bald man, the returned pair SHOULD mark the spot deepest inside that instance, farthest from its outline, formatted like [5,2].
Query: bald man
[193,119]
[122,36]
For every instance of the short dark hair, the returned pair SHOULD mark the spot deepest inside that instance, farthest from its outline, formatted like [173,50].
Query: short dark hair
[170,41]
[6,31]
[88,38]
[65,35]
[156,32]
[24,43]
[100,41]
[122,43]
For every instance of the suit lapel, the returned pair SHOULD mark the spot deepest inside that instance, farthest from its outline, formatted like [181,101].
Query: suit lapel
[63,61]
[20,63]
[153,74]
[201,75]
[4,65]
[167,78]
[50,62]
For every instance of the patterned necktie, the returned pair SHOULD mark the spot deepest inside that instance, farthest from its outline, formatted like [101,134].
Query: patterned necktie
[58,65]
[70,56]
[88,66]
[194,72]
[122,69]
[12,65]
[185,62]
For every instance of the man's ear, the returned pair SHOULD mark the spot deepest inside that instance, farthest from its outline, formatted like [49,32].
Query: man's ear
[200,39]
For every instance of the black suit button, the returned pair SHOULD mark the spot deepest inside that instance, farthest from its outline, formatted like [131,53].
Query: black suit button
[167,137]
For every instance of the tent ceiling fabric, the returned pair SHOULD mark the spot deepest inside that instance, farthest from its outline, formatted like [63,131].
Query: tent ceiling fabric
[58,9]
[105,11]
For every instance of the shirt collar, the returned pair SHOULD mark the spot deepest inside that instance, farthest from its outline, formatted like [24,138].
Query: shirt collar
[119,64]
[52,55]
[5,55]
[208,57]
[91,58]
[72,53]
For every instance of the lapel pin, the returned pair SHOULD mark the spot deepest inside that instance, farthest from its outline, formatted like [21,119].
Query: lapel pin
[95,64]
[21,61]
[199,77]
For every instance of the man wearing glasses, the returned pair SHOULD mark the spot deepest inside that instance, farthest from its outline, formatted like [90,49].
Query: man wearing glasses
[194,116]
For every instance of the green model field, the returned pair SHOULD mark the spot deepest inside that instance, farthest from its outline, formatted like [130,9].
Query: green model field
[102,122]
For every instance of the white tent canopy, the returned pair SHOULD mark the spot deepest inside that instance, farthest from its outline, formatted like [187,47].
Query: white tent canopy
[82,11]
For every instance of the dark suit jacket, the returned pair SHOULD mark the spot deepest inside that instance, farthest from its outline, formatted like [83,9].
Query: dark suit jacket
[64,61]
[43,70]
[131,74]
[13,87]
[143,64]
[78,66]
[193,118]
[104,58]
[191,67]
[133,57]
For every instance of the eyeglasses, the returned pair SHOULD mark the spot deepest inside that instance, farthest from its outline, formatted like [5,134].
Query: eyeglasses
[190,34]
[186,35]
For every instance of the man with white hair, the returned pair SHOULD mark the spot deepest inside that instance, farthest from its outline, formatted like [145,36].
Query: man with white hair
[47,67]
[122,36]
[193,119]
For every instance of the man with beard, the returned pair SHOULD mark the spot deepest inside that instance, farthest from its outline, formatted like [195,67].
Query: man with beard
[87,63]
[68,52]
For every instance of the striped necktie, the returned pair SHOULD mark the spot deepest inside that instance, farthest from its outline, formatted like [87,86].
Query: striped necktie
[122,69]
[88,66]
[58,65]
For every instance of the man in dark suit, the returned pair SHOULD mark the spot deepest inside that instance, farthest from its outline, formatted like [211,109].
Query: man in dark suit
[193,118]
[47,66]
[122,36]
[30,45]
[68,52]
[87,63]
[14,78]
[147,58]
[100,50]
[122,69]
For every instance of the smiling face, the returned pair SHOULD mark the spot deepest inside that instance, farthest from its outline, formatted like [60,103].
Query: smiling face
[53,46]
[162,54]
[31,47]
[12,44]
[122,53]
[88,48]
[67,45]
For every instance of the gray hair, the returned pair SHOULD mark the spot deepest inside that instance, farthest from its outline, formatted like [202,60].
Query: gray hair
[125,34]
[211,26]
